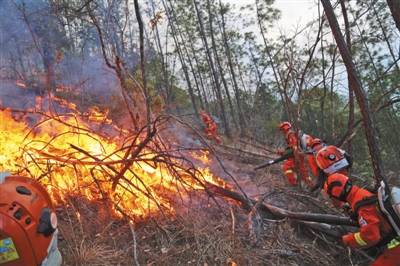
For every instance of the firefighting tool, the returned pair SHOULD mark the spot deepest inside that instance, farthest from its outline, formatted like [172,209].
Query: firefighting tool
[288,153]
[28,224]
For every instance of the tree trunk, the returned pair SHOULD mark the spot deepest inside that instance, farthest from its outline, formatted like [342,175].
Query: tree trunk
[182,60]
[385,36]
[275,70]
[187,57]
[213,71]
[358,90]
[142,65]
[217,59]
[242,121]
[167,91]
[350,122]
[394,6]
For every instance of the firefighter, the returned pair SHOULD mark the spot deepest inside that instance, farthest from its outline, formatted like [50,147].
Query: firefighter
[295,164]
[375,230]
[28,224]
[211,128]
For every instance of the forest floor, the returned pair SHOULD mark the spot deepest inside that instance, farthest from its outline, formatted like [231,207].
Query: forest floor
[203,231]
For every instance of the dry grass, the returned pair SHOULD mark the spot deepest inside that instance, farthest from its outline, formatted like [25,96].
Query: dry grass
[199,234]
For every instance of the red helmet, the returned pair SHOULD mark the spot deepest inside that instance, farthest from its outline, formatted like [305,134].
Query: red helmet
[331,159]
[338,186]
[285,126]
[28,223]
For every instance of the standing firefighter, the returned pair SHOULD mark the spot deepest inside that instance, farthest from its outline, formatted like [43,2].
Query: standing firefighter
[295,164]
[375,228]
[211,128]
[28,224]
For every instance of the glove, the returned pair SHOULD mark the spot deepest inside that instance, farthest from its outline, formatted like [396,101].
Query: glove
[346,239]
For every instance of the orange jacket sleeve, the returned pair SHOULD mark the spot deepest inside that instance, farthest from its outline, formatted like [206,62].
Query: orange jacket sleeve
[369,234]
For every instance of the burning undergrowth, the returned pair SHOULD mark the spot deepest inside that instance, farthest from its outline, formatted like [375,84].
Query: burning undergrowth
[85,154]
[128,196]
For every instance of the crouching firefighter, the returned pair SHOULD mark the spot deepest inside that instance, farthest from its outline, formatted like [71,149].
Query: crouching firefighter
[28,224]
[376,214]
[327,161]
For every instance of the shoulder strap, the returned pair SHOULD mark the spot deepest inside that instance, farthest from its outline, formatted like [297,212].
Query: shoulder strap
[364,202]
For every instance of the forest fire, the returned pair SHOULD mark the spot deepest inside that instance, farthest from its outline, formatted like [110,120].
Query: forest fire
[68,155]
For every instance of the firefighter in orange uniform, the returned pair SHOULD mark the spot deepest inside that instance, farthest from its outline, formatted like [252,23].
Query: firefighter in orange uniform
[295,164]
[211,129]
[375,230]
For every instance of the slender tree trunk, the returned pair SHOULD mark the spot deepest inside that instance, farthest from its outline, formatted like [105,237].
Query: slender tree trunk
[142,66]
[358,90]
[187,56]
[182,60]
[385,35]
[213,71]
[275,70]
[203,91]
[217,59]
[242,121]
[394,6]
[163,59]
[323,98]
[350,122]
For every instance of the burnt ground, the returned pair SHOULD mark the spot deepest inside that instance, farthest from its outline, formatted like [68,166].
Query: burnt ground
[206,231]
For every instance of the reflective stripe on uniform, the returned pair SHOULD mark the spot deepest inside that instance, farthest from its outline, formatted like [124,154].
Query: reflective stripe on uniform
[394,243]
[359,239]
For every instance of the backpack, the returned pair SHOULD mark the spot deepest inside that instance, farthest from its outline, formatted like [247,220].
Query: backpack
[389,204]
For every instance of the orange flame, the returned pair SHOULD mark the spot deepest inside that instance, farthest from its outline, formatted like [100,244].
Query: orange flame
[51,152]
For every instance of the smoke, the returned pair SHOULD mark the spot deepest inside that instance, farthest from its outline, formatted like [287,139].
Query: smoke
[35,51]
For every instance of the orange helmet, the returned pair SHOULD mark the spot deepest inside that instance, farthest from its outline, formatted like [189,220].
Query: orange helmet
[331,159]
[285,126]
[28,223]
[338,186]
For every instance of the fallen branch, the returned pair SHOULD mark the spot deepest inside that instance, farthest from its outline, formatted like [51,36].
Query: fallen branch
[274,212]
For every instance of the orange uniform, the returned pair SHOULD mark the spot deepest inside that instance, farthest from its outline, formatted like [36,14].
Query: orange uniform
[295,164]
[375,230]
[211,129]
